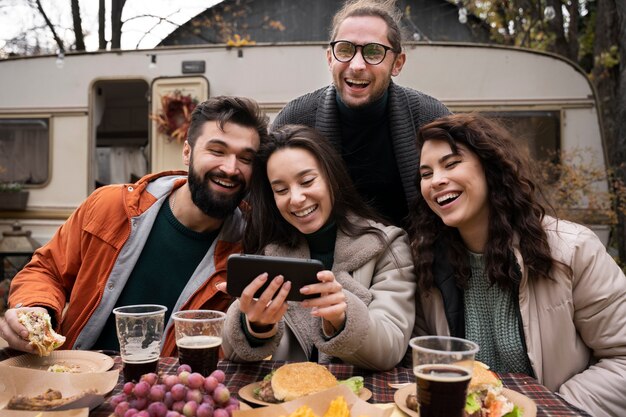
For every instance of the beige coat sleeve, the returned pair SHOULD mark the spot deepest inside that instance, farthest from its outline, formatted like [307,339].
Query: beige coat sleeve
[387,321]
[235,344]
[599,297]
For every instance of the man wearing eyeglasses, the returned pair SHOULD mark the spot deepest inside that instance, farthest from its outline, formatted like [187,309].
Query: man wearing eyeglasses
[370,120]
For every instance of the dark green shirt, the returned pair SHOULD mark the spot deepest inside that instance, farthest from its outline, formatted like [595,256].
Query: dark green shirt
[169,258]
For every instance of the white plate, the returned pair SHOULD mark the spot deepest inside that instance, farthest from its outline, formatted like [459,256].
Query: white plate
[528,406]
[80,360]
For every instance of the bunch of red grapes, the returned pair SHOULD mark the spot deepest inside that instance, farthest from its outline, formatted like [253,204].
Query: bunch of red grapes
[186,394]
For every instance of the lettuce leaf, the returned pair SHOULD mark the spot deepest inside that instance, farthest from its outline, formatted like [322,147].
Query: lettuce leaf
[472,403]
[517,412]
[257,391]
[355,384]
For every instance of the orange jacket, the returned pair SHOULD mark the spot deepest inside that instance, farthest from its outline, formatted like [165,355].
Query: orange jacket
[84,266]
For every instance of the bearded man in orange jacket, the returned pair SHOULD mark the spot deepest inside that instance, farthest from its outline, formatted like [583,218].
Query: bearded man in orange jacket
[163,240]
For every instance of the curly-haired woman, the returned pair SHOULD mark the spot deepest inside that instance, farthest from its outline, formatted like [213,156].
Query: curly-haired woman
[539,295]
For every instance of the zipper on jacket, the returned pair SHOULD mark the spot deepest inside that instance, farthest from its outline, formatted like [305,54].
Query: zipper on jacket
[518,315]
[115,260]
[291,326]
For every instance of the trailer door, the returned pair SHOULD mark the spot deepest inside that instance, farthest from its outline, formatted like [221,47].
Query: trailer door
[166,149]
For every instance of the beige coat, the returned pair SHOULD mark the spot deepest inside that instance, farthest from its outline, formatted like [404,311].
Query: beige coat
[379,284]
[575,328]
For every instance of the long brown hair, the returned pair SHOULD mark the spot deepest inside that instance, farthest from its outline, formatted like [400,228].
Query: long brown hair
[513,206]
[266,225]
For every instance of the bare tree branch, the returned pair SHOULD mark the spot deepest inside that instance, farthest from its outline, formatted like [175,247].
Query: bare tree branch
[164,20]
[57,39]
[159,21]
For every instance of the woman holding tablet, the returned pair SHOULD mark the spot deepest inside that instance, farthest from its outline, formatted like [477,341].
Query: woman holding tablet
[305,206]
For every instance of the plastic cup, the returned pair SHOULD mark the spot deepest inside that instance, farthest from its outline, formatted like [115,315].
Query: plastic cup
[139,331]
[443,368]
[198,338]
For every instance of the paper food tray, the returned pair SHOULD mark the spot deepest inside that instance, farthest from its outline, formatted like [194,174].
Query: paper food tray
[319,404]
[31,382]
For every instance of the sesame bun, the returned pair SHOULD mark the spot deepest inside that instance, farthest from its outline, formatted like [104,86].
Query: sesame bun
[298,379]
[483,378]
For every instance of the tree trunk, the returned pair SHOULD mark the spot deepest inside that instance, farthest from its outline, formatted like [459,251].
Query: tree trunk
[116,23]
[603,76]
[58,40]
[572,31]
[102,43]
[620,140]
[561,44]
[78,26]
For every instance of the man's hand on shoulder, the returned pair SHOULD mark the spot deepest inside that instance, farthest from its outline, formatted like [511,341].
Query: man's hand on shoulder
[15,334]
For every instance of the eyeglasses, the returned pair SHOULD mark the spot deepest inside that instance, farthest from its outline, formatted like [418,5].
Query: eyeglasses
[372,53]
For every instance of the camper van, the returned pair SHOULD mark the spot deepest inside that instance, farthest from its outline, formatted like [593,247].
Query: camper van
[70,124]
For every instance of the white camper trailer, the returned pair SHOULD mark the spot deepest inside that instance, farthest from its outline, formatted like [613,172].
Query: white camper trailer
[69,125]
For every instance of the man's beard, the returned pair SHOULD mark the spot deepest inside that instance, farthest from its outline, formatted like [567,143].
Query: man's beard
[211,203]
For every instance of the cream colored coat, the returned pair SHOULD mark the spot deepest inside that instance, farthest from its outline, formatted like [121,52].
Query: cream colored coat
[379,284]
[575,328]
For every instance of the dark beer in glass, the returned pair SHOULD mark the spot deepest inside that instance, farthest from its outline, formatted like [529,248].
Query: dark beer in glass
[134,370]
[443,368]
[441,390]
[201,352]
[139,330]
[198,338]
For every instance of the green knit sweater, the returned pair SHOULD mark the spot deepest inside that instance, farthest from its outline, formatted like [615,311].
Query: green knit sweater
[491,321]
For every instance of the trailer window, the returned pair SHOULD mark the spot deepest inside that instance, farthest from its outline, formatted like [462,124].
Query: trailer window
[24,150]
[539,131]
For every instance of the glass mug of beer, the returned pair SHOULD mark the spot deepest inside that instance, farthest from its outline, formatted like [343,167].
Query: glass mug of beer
[139,331]
[198,338]
[443,368]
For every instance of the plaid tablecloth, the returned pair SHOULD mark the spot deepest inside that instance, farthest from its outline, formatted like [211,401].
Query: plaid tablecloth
[239,375]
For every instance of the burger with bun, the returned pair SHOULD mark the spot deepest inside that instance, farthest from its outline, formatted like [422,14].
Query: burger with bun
[298,379]
[484,396]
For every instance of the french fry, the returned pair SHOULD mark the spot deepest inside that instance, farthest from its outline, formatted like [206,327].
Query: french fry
[303,411]
[338,408]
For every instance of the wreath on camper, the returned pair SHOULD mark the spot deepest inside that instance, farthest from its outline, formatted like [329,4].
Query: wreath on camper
[175,116]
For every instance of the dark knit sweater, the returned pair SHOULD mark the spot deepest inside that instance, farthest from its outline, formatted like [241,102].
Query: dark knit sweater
[368,153]
[408,111]
[322,244]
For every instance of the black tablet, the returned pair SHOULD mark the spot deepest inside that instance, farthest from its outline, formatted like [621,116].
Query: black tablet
[242,269]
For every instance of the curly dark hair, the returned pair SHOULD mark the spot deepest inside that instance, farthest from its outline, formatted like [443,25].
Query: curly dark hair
[515,211]
[266,225]
[241,111]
